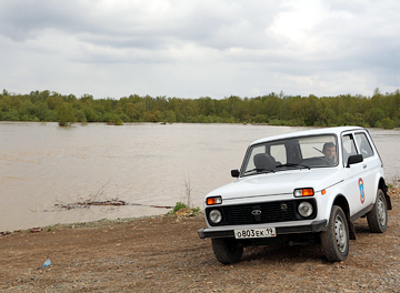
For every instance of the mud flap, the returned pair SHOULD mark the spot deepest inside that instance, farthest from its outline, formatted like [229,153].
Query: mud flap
[352,231]
[385,189]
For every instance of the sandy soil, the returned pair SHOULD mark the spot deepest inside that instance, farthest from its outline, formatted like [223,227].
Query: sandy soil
[165,254]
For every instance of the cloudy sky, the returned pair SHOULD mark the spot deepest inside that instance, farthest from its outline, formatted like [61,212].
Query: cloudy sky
[197,48]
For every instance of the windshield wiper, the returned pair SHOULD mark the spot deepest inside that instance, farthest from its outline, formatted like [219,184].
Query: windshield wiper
[293,165]
[260,171]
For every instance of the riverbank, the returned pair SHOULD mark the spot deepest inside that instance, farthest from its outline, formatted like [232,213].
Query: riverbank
[165,254]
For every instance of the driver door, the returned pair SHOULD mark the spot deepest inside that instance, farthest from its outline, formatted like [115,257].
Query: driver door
[359,190]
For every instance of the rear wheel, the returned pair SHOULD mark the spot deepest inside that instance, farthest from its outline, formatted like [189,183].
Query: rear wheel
[335,240]
[227,250]
[378,216]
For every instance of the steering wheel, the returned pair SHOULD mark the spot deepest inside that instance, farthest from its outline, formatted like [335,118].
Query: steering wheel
[324,160]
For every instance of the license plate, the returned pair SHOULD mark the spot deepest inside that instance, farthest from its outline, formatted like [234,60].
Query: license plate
[255,233]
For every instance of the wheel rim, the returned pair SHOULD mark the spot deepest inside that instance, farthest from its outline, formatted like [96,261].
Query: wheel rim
[340,233]
[381,211]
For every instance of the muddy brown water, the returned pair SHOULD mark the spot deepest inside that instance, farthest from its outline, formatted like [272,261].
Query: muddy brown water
[42,164]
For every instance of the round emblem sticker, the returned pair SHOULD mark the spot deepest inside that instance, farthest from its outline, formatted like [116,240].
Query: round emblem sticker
[362,193]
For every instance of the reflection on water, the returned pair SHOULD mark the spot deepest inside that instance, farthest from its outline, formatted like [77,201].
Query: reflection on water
[43,164]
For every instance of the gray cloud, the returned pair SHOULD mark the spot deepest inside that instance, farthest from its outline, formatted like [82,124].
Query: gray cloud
[197,48]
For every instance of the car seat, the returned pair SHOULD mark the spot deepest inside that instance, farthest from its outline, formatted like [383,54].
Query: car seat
[264,162]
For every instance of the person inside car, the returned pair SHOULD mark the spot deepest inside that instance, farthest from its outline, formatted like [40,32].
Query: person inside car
[329,150]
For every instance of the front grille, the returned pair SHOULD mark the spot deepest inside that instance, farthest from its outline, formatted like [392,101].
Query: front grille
[258,213]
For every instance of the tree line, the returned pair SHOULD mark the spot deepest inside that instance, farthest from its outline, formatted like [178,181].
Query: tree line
[380,110]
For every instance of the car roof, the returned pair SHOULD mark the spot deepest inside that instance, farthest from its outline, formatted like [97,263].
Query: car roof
[331,130]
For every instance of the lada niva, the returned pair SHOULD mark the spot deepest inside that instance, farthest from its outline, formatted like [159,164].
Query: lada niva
[296,188]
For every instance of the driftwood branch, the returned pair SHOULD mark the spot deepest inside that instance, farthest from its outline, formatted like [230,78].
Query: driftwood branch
[95,201]
[113,202]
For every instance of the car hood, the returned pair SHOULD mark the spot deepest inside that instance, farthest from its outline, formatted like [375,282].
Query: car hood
[278,183]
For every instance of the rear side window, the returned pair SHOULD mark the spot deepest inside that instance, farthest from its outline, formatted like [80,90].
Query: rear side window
[364,145]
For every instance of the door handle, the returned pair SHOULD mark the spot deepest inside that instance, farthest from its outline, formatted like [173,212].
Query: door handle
[364,166]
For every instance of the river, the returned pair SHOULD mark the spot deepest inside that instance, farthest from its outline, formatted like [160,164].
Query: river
[145,164]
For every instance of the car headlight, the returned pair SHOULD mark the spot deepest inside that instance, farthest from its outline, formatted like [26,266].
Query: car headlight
[305,209]
[215,216]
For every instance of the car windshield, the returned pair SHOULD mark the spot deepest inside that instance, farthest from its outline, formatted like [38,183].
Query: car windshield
[294,153]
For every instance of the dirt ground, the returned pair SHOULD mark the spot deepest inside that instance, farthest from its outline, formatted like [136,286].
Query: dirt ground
[165,254]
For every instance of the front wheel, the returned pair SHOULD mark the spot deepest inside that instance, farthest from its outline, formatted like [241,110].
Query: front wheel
[335,240]
[227,250]
[378,216]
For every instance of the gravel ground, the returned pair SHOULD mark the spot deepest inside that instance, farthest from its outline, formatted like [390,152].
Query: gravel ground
[165,254]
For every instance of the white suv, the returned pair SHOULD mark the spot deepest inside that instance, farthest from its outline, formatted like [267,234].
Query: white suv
[303,187]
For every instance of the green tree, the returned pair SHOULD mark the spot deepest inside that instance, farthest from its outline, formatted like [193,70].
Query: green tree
[65,114]
[42,112]
[26,110]
[152,116]
[80,116]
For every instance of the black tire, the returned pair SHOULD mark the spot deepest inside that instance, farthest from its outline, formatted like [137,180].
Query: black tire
[227,250]
[335,240]
[378,216]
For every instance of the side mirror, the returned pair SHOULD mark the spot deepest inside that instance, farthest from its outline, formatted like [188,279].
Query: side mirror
[354,159]
[235,173]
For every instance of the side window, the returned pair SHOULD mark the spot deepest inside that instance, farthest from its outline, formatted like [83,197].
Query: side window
[349,147]
[364,145]
[279,153]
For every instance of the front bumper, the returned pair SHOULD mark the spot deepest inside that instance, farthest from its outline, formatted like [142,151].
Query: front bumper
[314,227]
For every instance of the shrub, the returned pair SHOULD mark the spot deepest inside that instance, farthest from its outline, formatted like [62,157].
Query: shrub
[178,206]
[387,123]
